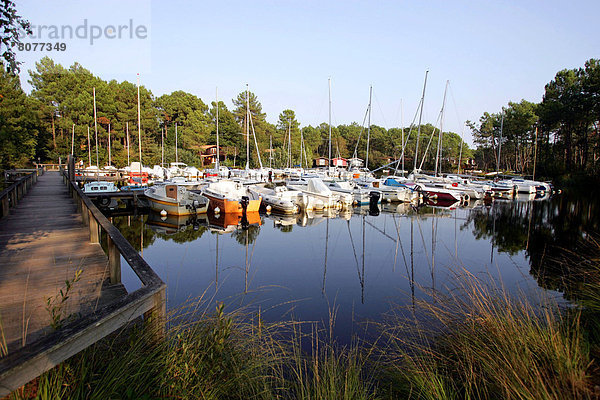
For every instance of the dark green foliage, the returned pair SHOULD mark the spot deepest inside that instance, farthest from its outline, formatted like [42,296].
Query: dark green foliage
[12,25]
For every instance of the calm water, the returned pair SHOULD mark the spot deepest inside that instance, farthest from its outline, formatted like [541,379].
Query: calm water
[359,265]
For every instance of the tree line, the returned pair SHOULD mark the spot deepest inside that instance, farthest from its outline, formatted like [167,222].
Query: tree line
[555,137]
[39,127]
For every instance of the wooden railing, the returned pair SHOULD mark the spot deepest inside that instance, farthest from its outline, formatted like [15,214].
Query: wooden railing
[27,363]
[11,196]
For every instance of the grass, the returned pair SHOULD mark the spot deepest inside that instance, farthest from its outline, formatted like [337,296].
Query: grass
[488,345]
[475,342]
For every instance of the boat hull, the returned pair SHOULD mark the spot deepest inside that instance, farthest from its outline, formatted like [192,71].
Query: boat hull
[174,208]
[226,205]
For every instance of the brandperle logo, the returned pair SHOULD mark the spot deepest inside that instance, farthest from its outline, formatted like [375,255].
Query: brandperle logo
[88,31]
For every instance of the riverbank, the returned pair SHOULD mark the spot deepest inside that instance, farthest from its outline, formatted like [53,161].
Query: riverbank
[475,341]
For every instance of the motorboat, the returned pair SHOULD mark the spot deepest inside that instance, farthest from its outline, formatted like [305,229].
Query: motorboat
[99,192]
[279,198]
[360,196]
[176,200]
[229,196]
[316,188]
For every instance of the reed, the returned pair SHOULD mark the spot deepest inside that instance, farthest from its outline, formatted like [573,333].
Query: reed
[475,341]
[489,345]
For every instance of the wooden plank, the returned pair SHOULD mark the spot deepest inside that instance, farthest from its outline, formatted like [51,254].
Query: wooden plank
[57,347]
[43,242]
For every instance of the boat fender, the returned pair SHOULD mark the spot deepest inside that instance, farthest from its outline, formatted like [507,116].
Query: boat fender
[103,201]
[466,197]
[163,213]
[268,208]
[454,184]
[217,210]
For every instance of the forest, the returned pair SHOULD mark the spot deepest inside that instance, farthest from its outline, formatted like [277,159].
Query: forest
[553,138]
[39,127]
[557,136]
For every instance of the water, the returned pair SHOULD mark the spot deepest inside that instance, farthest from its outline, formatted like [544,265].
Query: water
[356,265]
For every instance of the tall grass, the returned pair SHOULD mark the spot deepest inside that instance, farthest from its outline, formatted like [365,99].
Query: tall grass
[489,345]
[476,341]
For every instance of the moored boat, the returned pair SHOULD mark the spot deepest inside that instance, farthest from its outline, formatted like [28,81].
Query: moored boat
[228,196]
[176,200]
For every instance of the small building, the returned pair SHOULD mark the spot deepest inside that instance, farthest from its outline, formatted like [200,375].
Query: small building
[320,162]
[208,154]
[356,162]
[340,162]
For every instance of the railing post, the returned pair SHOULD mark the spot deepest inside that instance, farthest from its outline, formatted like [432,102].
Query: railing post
[85,217]
[93,225]
[5,206]
[156,317]
[14,196]
[114,261]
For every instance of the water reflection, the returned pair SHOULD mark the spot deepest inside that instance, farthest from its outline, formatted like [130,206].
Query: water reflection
[362,260]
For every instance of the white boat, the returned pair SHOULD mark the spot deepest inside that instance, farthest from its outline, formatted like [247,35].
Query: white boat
[99,191]
[280,198]
[176,199]
[360,196]
[315,187]
[98,187]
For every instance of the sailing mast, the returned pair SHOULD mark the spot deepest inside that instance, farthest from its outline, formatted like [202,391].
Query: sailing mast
[73,140]
[402,128]
[247,129]
[329,82]
[369,127]
[96,129]
[270,151]
[109,157]
[176,157]
[499,144]
[289,143]
[420,117]
[218,155]
[127,133]
[438,154]
[89,148]
[139,124]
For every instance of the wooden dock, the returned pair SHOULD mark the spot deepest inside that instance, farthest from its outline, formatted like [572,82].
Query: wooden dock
[43,243]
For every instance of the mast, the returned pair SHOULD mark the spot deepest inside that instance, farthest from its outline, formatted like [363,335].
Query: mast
[89,148]
[402,128]
[438,154]
[461,146]
[270,150]
[535,153]
[500,144]
[247,128]
[162,146]
[289,143]
[217,99]
[73,140]
[420,117]
[109,157]
[127,133]
[176,157]
[139,124]
[301,146]
[96,128]
[329,81]
[369,127]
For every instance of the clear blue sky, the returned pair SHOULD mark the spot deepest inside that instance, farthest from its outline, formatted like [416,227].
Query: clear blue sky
[491,52]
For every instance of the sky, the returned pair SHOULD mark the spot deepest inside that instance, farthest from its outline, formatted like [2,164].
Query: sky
[490,52]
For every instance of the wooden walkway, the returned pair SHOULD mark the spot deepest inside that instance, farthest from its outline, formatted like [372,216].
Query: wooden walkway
[43,242]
